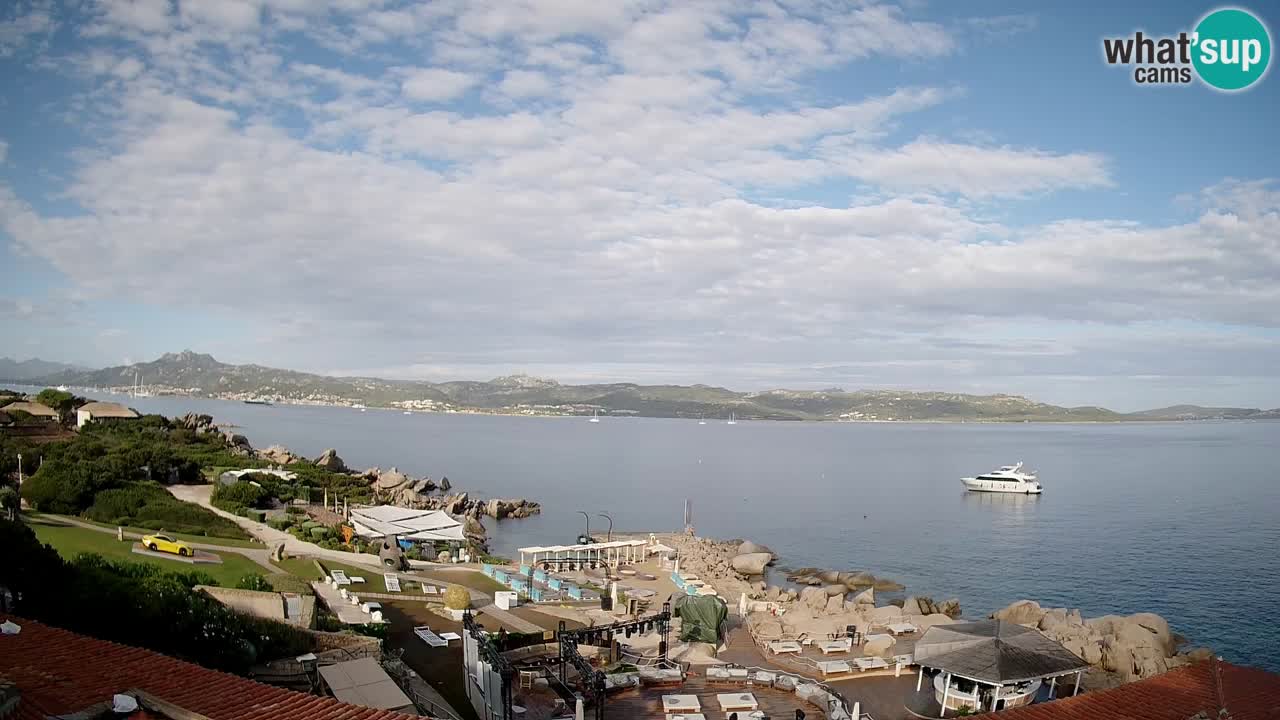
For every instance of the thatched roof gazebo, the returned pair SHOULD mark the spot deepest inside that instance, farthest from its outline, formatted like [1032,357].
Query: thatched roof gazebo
[991,664]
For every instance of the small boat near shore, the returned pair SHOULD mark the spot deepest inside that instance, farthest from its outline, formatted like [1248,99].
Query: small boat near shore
[257,401]
[1008,479]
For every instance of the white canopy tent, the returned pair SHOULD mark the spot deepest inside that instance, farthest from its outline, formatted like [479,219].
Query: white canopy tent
[613,553]
[407,523]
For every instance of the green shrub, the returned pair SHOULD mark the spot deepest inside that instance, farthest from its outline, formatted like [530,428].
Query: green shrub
[284,582]
[240,493]
[456,597]
[279,523]
[254,582]
[320,533]
[295,510]
[310,525]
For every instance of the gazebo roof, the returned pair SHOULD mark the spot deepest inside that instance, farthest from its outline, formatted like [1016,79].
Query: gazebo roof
[993,651]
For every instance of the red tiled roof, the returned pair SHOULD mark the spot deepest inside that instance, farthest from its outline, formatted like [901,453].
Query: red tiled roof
[1246,694]
[60,672]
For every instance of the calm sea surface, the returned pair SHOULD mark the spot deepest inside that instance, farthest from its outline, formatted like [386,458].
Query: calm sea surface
[1182,519]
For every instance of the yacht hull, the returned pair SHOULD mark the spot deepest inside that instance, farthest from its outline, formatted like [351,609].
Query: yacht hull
[1001,486]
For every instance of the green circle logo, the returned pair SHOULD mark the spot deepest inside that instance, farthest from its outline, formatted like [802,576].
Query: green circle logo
[1232,49]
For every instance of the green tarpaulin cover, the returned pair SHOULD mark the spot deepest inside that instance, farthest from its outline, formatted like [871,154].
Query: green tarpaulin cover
[700,617]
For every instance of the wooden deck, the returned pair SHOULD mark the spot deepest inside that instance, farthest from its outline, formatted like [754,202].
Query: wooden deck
[646,703]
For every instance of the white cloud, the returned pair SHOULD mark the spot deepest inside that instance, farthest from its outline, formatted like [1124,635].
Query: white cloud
[145,16]
[524,84]
[435,84]
[978,171]
[628,191]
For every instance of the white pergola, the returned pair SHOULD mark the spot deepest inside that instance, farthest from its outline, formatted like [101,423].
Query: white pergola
[611,553]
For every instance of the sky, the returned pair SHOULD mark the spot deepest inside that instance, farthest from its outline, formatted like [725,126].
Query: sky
[749,193]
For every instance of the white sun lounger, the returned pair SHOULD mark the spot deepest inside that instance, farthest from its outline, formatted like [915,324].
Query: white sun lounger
[429,637]
[737,701]
[902,628]
[833,667]
[842,645]
[429,589]
[357,579]
[680,704]
[393,582]
[687,716]
[784,646]
[870,663]
[450,636]
[340,577]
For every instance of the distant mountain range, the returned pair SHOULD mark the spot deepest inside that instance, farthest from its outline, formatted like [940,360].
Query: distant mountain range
[190,373]
[33,368]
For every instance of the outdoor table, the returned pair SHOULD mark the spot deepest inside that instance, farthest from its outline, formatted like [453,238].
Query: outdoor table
[680,703]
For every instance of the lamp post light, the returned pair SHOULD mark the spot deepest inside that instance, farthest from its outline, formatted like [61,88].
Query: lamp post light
[606,517]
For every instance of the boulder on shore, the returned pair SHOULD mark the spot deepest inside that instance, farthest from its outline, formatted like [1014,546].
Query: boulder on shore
[866,597]
[814,597]
[747,547]
[329,460]
[279,455]
[1022,612]
[751,563]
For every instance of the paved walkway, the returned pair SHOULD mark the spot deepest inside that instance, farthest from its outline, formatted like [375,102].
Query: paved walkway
[261,557]
[346,612]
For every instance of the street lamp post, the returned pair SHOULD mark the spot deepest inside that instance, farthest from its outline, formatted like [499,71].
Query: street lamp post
[606,517]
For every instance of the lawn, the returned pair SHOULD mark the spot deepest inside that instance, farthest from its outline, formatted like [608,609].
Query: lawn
[468,578]
[229,542]
[373,581]
[302,567]
[70,541]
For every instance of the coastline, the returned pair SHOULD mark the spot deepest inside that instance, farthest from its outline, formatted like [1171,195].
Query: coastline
[530,413]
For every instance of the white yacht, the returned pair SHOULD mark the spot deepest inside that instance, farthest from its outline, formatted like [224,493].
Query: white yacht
[1008,479]
[733,419]
[595,416]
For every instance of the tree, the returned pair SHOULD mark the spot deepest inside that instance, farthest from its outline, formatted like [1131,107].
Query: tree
[9,502]
[62,401]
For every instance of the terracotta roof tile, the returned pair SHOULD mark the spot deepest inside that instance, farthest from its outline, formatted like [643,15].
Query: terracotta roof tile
[60,672]
[1246,693]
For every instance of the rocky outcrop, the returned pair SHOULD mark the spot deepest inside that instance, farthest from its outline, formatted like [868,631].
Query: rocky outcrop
[330,461]
[813,597]
[194,422]
[866,598]
[279,455]
[835,603]
[879,647]
[924,605]
[1022,612]
[1129,647]
[853,580]
[509,508]
[238,444]
[445,485]
[747,547]
[752,563]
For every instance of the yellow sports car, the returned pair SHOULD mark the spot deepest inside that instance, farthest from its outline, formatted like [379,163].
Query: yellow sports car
[164,543]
